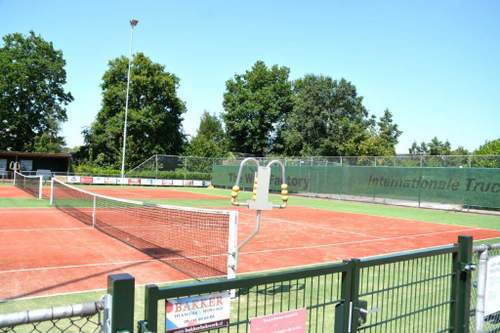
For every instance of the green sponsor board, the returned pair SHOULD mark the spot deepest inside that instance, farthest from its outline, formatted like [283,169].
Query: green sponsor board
[464,186]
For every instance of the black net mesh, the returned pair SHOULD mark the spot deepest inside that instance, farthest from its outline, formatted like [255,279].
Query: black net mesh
[29,184]
[194,241]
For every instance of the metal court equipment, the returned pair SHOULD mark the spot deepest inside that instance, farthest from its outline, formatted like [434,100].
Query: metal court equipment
[260,194]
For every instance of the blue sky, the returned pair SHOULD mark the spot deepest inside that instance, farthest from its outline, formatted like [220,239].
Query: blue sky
[434,64]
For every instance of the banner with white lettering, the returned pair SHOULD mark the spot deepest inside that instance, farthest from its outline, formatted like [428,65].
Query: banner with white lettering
[492,296]
[197,313]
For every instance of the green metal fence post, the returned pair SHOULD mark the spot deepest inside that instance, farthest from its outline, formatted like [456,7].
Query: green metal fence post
[355,311]
[151,307]
[121,287]
[342,312]
[347,312]
[461,286]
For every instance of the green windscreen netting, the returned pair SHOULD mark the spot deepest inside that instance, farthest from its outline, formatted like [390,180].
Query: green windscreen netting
[470,187]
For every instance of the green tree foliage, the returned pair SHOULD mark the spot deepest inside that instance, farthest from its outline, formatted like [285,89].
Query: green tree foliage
[438,147]
[209,140]
[383,138]
[329,118]
[49,141]
[434,147]
[32,95]
[489,148]
[154,115]
[255,106]
[460,151]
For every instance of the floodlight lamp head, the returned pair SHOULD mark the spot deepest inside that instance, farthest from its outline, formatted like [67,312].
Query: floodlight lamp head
[133,22]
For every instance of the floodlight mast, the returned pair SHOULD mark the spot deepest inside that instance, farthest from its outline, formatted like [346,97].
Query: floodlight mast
[133,23]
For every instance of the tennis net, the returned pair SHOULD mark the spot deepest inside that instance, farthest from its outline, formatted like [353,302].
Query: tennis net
[198,242]
[31,184]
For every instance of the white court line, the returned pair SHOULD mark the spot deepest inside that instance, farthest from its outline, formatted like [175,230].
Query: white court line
[114,263]
[358,241]
[309,224]
[46,229]
[241,253]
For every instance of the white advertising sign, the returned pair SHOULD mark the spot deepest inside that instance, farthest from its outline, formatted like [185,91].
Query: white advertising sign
[178,182]
[110,180]
[98,180]
[73,179]
[122,181]
[157,182]
[492,298]
[197,313]
[146,181]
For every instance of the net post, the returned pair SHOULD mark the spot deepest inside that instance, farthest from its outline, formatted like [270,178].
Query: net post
[232,251]
[94,198]
[40,188]
[15,177]
[52,191]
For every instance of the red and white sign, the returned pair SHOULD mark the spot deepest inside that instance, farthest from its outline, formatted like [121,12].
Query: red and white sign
[86,180]
[197,313]
[284,322]
[134,181]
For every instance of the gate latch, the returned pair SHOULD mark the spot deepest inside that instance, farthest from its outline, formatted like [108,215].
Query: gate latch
[364,311]
[467,267]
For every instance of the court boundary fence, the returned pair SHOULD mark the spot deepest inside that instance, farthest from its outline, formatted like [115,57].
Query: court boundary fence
[114,311]
[351,296]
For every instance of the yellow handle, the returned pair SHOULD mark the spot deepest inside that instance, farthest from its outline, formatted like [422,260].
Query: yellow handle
[234,195]
[284,195]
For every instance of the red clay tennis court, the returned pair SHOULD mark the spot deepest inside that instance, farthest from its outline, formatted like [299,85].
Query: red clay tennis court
[45,251]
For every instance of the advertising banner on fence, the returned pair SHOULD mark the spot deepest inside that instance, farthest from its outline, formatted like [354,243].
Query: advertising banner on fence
[98,180]
[86,179]
[474,187]
[134,181]
[122,181]
[492,298]
[73,179]
[110,180]
[197,313]
[289,322]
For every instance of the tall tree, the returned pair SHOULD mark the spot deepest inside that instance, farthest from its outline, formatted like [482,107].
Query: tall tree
[438,147]
[489,148]
[389,133]
[328,118]
[255,106]
[32,95]
[154,115]
[417,149]
[383,138]
[209,140]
